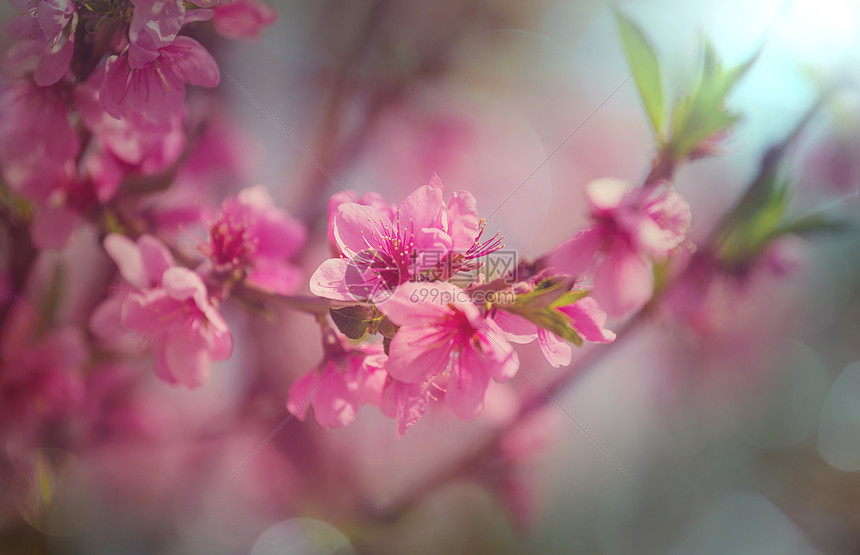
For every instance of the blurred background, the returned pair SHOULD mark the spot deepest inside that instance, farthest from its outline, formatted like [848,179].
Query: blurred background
[732,426]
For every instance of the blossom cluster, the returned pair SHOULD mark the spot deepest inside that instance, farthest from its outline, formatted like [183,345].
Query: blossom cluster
[98,119]
[445,343]
[95,97]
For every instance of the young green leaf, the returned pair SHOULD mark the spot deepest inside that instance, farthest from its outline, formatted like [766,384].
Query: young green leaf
[352,321]
[645,67]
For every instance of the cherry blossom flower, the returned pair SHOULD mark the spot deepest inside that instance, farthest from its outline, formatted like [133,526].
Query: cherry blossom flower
[46,33]
[137,144]
[155,88]
[251,233]
[40,381]
[169,307]
[243,19]
[630,227]
[424,238]
[345,379]
[38,146]
[370,198]
[585,316]
[444,334]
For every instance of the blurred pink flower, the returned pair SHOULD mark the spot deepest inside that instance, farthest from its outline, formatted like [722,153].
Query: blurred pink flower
[37,143]
[170,307]
[155,89]
[46,33]
[139,145]
[243,19]
[39,382]
[347,378]
[585,316]
[630,227]
[443,333]
[251,233]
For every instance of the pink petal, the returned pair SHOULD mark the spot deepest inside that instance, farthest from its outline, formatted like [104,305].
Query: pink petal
[301,394]
[424,300]
[664,224]
[622,281]
[431,240]
[358,228]
[220,340]
[468,383]
[186,356]
[192,62]
[588,319]
[334,404]
[515,329]
[463,220]
[328,280]
[155,256]
[405,402]
[503,361]
[605,195]
[423,208]
[275,276]
[200,14]
[372,379]
[106,319]
[156,22]
[575,256]
[556,350]
[415,354]
[53,67]
[182,283]
[128,258]
[244,19]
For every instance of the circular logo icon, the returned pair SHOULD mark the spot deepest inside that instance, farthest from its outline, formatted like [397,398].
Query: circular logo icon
[372,276]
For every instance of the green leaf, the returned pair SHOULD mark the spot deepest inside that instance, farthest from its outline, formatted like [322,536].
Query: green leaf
[554,321]
[811,223]
[352,321]
[569,298]
[701,114]
[549,319]
[646,69]
[545,293]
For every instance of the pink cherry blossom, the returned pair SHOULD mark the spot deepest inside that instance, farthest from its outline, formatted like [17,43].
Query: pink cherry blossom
[155,89]
[630,227]
[251,233]
[137,144]
[39,382]
[169,306]
[346,379]
[444,334]
[154,25]
[243,19]
[38,146]
[423,238]
[46,33]
[372,199]
[585,316]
